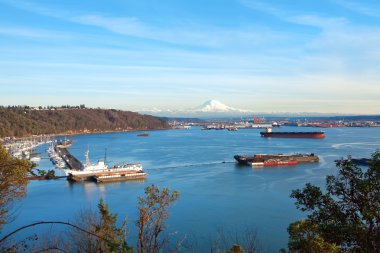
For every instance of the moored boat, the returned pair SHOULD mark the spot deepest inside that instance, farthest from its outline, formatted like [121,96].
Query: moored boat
[121,176]
[102,172]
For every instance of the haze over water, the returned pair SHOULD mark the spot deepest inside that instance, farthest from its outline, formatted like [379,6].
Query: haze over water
[213,194]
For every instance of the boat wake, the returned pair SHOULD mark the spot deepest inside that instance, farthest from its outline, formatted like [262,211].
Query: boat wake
[352,144]
[190,165]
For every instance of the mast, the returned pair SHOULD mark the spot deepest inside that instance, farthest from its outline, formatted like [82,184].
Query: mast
[87,159]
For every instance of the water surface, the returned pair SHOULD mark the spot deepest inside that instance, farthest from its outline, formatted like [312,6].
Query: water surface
[215,192]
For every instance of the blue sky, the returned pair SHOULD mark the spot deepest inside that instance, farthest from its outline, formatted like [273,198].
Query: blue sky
[264,55]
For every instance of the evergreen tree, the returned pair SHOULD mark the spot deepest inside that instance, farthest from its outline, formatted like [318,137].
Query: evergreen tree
[114,238]
[346,216]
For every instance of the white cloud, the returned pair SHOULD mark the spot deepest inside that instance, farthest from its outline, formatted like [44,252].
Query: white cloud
[318,21]
[363,7]
[122,25]
[33,33]
[263,6]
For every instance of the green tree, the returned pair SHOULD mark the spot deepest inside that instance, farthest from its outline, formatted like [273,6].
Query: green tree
[41,172]
[115,238]
[153,212]
[304,238]
[236,249]
[13,173]
[110,238]
[346,215]
[50,174]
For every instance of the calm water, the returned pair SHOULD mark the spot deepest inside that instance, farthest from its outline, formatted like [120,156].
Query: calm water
[214,195]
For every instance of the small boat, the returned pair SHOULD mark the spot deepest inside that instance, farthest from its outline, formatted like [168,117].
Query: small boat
[143,134]
[35,159]
[64,143]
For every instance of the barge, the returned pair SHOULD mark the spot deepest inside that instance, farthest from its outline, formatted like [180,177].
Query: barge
[276,159]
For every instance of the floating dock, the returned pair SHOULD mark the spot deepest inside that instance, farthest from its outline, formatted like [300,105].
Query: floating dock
[71,161]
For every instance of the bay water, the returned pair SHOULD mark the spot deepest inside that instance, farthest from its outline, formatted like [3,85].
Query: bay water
[215,193]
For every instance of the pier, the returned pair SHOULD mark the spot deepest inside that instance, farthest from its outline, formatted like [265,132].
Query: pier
[71,161]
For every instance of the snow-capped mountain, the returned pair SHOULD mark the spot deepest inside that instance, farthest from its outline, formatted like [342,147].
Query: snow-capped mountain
[215,106]
[209,108]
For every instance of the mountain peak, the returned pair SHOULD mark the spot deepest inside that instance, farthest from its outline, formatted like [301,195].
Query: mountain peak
[215,106]
[209,108]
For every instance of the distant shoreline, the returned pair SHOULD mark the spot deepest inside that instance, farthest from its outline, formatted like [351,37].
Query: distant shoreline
[78,133]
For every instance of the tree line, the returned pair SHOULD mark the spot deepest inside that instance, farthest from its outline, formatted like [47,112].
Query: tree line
[49,107]
[20,122]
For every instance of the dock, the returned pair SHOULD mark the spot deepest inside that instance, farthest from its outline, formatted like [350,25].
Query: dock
[71,161]
[102,177]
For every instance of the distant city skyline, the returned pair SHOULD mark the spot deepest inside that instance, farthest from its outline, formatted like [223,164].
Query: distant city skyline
[255,55]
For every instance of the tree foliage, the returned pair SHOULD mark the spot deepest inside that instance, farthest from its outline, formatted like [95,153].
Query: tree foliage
[236,248]
[20,121]
[344,217]
[110,237]
[153,212]
[13,173]
[304,238]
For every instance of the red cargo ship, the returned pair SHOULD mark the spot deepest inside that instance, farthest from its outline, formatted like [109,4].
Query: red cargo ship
[316,135]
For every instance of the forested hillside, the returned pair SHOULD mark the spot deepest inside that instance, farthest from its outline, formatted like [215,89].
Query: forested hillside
[20,121]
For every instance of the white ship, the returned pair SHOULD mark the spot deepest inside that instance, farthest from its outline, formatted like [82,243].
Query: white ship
[101,172]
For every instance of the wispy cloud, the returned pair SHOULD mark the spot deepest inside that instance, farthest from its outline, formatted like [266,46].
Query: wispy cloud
[121,25]
[33,33]
[363,7]
[36,8]
[293,16]
[264,6]
[318,21]
[200,35]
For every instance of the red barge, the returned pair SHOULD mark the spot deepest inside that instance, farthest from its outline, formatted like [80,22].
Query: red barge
[276,159]
[274,163]
[315,135]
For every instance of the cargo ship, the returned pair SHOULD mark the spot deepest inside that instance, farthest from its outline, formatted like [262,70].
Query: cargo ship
[315,135]
[276,159]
